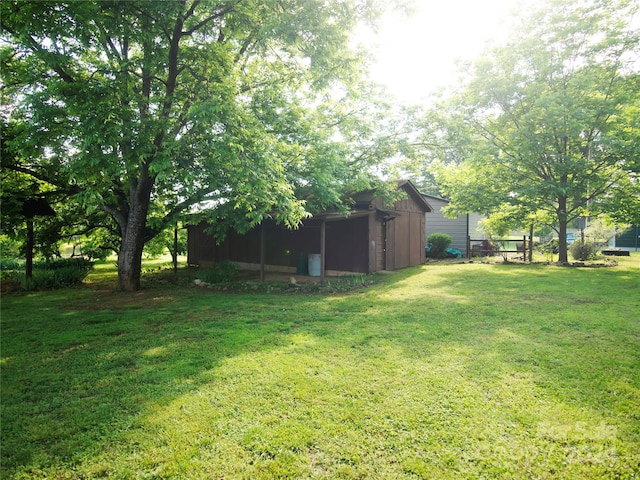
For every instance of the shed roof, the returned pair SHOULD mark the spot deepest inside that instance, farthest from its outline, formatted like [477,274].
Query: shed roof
[413,192]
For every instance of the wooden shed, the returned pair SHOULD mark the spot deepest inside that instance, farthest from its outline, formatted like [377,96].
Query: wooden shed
[371,238]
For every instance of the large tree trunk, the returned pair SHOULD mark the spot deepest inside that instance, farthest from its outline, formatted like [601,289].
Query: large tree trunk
[133,238]
[130,255]
[562,230]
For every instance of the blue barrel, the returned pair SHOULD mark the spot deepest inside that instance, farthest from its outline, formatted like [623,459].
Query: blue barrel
[314,264]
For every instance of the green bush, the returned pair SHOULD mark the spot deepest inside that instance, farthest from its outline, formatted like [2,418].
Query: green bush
[583,250]
[9,247]
[48,274]
[10,264]
[78,263]
[439,242]
[219,273]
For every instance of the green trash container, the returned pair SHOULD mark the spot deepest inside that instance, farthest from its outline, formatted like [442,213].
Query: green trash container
[302,265]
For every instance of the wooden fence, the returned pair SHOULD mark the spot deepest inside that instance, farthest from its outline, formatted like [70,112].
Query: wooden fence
[490,248]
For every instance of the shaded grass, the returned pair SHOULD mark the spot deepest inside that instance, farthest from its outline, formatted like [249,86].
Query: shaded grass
[441,371]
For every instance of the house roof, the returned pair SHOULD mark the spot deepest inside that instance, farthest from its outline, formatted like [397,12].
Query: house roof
[435,197]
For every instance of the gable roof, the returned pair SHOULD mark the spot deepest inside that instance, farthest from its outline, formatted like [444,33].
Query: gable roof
[413,192]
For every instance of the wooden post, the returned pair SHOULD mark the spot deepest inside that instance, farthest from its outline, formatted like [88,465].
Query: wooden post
[524,248]
[29,257]
[531,243]
[262,252]
[323,236]
[175,249]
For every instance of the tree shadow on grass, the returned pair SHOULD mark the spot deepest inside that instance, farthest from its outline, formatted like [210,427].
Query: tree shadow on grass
[77,365]
[573,333]
[84,372]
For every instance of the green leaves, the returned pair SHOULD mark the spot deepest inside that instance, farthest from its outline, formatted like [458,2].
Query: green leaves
[547,115]
[157,106]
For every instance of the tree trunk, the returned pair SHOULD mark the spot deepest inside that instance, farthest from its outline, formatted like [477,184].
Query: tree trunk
[562,230]
[133,240]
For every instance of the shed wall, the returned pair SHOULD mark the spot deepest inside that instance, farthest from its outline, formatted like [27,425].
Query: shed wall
[407,234]
[346,245]
[373,238]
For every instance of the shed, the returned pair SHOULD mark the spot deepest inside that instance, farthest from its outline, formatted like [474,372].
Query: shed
[460,228]
[372,237]
[629,240]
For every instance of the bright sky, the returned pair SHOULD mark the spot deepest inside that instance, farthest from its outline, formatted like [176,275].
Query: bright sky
[416,55]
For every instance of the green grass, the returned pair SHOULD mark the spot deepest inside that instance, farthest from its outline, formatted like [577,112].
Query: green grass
[441,371]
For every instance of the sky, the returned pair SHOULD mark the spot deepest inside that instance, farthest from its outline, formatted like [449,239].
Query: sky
[416,55]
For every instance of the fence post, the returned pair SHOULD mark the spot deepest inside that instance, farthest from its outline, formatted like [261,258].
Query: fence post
[524,248]
[468,246]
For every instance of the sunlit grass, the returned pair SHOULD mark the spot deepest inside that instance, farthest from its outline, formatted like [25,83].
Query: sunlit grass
[441,371]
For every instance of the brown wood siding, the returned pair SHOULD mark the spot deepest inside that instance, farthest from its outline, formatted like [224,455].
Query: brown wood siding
[364,242]
[380,230]
[417,238]
[282,246]
[200,247]
[408,234]
[403,240]
[346,245]
[390,256]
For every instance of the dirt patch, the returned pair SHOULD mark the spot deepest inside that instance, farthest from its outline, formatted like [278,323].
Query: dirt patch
[7,286]
[99,297]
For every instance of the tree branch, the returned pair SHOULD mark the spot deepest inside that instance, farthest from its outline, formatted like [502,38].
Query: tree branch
[202,23]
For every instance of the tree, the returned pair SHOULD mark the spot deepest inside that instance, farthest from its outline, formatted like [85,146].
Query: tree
[551,117]
[173,103]
[47,180]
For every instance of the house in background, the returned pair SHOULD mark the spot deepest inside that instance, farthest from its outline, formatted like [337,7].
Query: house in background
[373,237]
[460,228]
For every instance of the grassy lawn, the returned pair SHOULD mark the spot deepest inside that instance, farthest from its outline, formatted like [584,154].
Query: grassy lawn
[441,371]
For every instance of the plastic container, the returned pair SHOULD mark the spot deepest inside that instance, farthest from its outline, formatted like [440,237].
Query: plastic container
[314,264]
[302,265]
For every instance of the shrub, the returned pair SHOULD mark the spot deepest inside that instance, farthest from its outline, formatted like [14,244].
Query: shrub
[50,274]
[219,273]
[9,246]
[79,263]
[10,264]
[439,242]
[583,250]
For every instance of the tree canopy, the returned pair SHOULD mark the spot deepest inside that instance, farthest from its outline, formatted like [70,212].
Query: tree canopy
[144,109]
[548,123]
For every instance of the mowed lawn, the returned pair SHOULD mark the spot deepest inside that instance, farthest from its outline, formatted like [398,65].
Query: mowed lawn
[441,371]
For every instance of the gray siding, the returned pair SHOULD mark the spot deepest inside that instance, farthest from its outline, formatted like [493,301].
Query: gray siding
[459,228]
[474,224]
[436,222]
